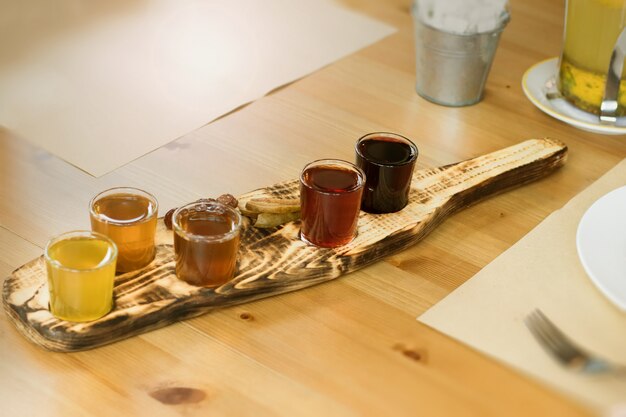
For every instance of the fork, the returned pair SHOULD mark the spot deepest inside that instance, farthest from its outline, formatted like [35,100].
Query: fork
[565,350]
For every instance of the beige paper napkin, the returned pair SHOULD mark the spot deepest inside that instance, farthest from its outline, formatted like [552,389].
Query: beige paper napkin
[100,84]
[542,271]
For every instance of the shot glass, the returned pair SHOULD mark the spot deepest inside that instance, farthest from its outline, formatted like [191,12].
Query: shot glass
[330,199]
[206,242]
[128,216]
[81,270]
[388,161]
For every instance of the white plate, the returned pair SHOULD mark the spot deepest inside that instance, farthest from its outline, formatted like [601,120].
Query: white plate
[534,84]
[601,243]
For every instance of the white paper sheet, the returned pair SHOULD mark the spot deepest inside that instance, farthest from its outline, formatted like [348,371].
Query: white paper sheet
[102,84]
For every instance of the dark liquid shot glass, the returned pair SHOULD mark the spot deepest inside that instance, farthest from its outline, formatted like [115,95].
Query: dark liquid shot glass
[330,201]
[388,161]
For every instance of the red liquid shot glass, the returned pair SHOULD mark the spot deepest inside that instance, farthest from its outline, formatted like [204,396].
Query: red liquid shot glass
[388,161]
[330,201]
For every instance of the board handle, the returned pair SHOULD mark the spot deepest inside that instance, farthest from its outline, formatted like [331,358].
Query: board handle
[468,182]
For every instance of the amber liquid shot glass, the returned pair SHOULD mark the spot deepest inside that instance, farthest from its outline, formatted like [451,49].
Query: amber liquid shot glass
[128,216]
[206,243]
[388,161]
[330,199]
[81,270]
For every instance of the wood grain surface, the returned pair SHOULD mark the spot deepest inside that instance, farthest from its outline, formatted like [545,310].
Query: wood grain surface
[274,261]
[349,347]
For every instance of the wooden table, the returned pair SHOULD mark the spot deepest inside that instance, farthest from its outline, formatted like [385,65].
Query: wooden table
[348,347]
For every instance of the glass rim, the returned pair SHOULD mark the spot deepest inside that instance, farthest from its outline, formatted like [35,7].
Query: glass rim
[77,233]
[132,190]
[403,139]
[177,228]
[337,162]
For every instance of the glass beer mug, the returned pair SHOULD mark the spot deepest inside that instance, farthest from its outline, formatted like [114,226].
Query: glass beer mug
[590,69]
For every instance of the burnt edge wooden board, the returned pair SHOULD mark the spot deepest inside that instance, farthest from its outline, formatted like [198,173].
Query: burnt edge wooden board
[273,261]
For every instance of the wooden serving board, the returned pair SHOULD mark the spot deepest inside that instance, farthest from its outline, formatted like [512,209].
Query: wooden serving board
[273,261]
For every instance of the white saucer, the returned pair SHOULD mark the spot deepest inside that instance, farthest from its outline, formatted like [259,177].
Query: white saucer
[601,243]
[535,87]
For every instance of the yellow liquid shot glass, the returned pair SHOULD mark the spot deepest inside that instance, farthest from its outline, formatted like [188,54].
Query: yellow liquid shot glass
[81,271]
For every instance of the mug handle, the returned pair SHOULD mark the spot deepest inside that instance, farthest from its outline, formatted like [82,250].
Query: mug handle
[608,108]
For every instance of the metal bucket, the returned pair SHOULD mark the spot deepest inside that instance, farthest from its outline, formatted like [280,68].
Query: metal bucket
[451,69]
